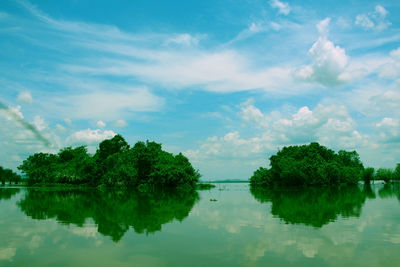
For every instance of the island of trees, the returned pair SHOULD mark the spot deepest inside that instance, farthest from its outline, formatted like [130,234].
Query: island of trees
[115,163]
[314,164]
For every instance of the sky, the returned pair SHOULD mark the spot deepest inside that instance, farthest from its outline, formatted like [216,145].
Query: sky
[225,82]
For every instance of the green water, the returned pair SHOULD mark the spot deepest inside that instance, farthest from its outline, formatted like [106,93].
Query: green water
[357,226]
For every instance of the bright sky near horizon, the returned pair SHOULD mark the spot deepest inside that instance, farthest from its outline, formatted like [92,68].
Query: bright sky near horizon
[226,82]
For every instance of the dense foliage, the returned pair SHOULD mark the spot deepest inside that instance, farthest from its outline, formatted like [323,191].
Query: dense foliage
[7,175]
[311,164]
[115,163]
[114,212]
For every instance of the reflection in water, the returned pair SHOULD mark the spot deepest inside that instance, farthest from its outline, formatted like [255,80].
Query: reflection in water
[114,211]
[236,230]
[390,190]
[314,206]
[7,193]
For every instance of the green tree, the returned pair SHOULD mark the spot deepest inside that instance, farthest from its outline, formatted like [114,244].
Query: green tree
[311,164]
[75,166]
[2,176]
[114,164]
[261,177]
[40,168]
[384,174]
[368,175]
[397,172]
[8,175]
[111,146]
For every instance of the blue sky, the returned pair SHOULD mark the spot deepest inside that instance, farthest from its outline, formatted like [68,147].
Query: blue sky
[225,82]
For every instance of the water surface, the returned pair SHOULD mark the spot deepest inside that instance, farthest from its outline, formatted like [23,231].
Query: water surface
[229,225]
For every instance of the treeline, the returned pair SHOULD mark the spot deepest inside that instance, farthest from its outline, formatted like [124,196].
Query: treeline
[8,176]
[314,164]
[115,163]
[387,174]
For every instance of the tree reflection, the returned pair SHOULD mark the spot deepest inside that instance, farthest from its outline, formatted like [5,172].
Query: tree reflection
[314,206]
[8,193]
[390,190]
[113,211]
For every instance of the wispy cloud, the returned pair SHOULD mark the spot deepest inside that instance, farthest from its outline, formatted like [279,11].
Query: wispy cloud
[374,20]
[283,7]
[146,58]
[108,105]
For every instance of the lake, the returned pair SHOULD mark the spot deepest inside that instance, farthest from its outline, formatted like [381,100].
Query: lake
[229,225]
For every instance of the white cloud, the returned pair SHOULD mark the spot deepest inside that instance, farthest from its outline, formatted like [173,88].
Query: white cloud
[251,114]
[106,105]
[323,27]
[185,39]
[120,123]
[373,20]
[146,59]
[60,128]
[101,124]
[16,111]
[255,27]
[395,53]
[283,7]
[381,11]
[225,71]
[330,125]
[25,96]
[389,130]
[275,26]
[385,102]
[89,137]
[39,123]
[364,21]
[391,67]
[329,61]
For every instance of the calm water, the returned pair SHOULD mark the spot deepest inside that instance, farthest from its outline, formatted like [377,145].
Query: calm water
[316,227]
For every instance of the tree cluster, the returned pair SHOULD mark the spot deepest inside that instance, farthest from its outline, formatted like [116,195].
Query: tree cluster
[387,174]
[311,164]
[382,174]
[115,163]
[7,175]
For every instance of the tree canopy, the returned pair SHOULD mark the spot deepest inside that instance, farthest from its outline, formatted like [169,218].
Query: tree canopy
[115,163]
[311,164]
